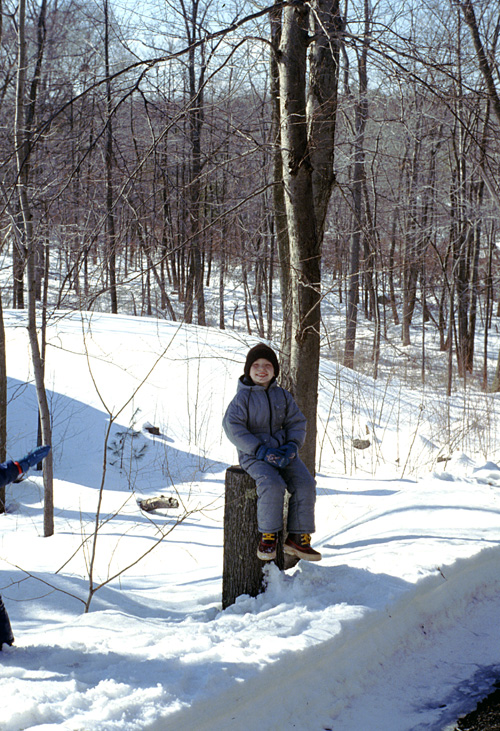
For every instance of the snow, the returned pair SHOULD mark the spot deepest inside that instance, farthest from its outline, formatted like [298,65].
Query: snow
[395,629]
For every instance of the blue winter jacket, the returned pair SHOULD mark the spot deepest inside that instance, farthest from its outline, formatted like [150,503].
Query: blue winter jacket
[257,415]
[9,471]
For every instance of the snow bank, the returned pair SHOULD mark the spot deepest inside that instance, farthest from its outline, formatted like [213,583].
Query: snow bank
[390,631]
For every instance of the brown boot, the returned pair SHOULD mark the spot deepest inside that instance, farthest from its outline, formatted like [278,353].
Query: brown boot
[299,544]
[267,546]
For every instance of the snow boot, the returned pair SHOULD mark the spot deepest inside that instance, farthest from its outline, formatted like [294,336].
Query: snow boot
[299,545]
[267,547]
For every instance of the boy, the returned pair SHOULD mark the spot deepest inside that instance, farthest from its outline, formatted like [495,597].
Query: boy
[10,471]
[267,428]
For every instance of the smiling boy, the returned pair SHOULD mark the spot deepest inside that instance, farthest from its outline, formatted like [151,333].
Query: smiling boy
[267,428]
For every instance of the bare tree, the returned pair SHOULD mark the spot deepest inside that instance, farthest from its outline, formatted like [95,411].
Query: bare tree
[487,72]
[23,129]
[110,203]
[308,105]
[193,20]
[358,184]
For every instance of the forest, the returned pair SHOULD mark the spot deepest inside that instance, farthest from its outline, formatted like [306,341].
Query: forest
[317,154]
[320,174]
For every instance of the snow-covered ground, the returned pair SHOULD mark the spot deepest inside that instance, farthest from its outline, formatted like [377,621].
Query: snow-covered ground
[396,629]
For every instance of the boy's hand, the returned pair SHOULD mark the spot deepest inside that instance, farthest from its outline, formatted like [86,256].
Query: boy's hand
[289,450]
[275,457]
[33,457]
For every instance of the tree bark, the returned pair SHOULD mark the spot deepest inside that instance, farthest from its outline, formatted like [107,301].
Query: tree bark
[279,208]
[242,570]
[307,155]
[23,151]
[411,254]
[325,28]
[110,213]
[488,305]
[301,221]
[493,96]
[484,64]
[18,264]
[196,116]
[361,116]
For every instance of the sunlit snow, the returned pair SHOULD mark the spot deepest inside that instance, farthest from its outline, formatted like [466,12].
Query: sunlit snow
[394,630]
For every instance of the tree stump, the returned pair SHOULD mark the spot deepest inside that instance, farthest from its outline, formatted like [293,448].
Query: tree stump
[242,570]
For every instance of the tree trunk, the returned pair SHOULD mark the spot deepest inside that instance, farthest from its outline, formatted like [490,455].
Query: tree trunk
[3,402]
[352,299]
[280,220]
[358,185]
[411,259]
[301,221]
[307,155]
[477,202]
[487,319]
[487,71]
[325,28]
[482,58]
[270,279]
[18,265]
[222,271]
[23,151]
[110,213]
[161,285]
[244,278]
[242,570]
[495,386]
[196,115]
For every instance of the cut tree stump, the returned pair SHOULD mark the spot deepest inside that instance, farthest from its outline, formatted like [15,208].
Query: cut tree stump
[242,570]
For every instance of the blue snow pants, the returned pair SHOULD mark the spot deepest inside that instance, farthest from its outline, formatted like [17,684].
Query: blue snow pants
[271,485]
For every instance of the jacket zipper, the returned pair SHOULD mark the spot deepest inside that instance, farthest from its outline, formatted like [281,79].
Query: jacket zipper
[270,414]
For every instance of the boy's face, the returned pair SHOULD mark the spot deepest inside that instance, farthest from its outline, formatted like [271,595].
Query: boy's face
[262,372]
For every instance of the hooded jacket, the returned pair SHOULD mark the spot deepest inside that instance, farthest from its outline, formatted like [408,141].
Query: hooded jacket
[9,471]
[257,415]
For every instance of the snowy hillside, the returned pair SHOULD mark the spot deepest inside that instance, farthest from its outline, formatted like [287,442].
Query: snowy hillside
[394,630]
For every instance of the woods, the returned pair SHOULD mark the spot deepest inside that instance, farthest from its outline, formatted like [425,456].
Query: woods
[178,182]
[336,154]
